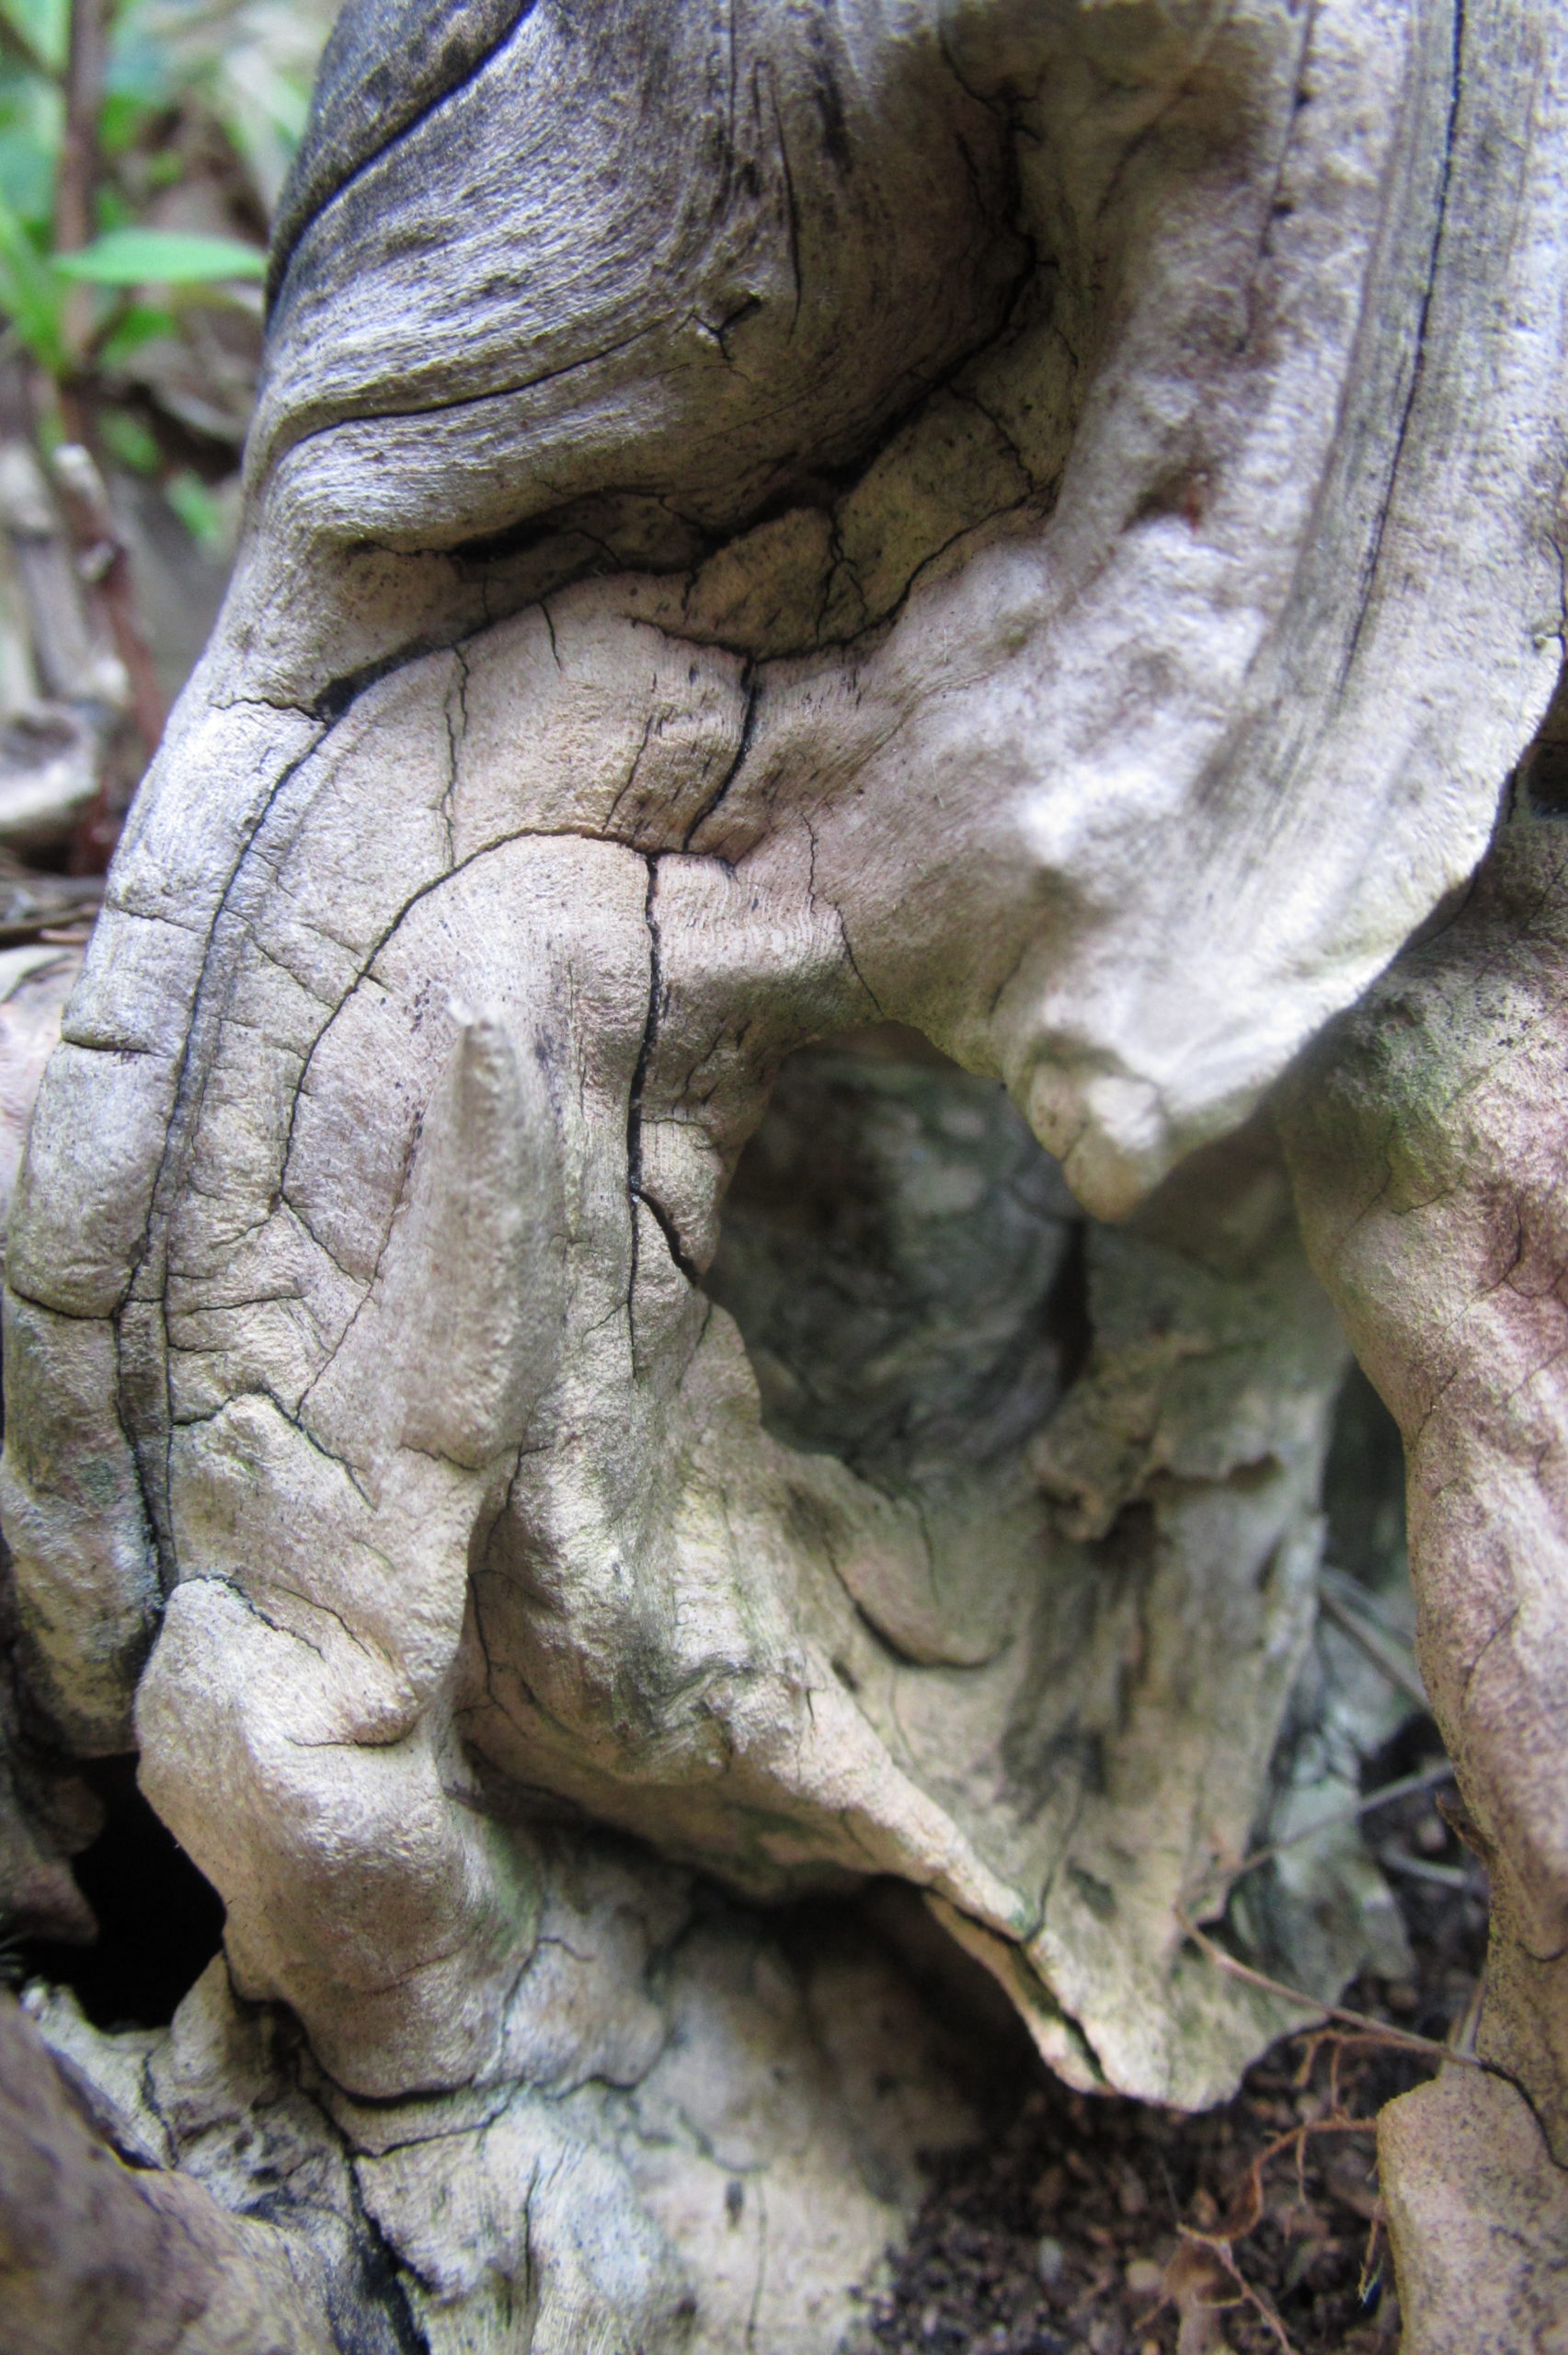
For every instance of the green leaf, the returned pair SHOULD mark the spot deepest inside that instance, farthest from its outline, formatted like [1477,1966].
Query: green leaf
[134,324]
[31,295]
[27,172]
[161,257]
[142,66]
[122,121]
[199,511]
[32,119]
[42,26]
[130,439]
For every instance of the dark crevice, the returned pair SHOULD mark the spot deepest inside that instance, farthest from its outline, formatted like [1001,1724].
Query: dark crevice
[753,693]
[295,432]
[338,695]
[639,1082]
[1540,783]
[160,1921]
[1417,369]
[671,1233]
[1067,1306]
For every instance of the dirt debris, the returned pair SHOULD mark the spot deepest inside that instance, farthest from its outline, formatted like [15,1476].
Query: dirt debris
[1106,2227]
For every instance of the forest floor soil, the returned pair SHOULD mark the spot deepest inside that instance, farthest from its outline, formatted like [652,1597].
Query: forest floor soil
[1087,2226]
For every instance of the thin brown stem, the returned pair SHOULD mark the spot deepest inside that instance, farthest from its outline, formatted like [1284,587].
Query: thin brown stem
[1377,2031]
[75,186]
[1356,1617]
[77,183]
[1429,1778]
[105,564]
[1254,2298]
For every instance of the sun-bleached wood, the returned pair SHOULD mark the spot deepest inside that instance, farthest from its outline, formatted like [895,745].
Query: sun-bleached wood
[1027,531]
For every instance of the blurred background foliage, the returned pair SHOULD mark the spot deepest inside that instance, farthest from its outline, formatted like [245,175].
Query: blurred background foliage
[142,147]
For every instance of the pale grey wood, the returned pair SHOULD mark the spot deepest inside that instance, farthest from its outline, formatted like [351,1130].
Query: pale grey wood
[1032,526]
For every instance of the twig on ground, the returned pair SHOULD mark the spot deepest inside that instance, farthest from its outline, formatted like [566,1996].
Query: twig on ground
[1428,1778]
[1462,2035]
[1394,1860]
[1356,1617]
[1220,2248]
[1248,2210]
[1371,2264]
[1377,2031]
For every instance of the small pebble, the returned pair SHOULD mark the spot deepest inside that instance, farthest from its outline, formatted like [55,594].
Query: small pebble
[1145,2279]
[1049,2258]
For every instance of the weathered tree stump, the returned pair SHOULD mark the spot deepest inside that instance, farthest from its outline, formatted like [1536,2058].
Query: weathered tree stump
[973,573]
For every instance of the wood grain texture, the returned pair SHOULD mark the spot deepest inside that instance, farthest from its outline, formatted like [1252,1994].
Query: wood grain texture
[1427,1139]
[1035,526]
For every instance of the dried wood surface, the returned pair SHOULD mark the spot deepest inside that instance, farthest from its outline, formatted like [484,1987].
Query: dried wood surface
[1037,528]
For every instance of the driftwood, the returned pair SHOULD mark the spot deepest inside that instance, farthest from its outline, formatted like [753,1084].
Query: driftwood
[1428,1142]
[127,2260]
[1019,543]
